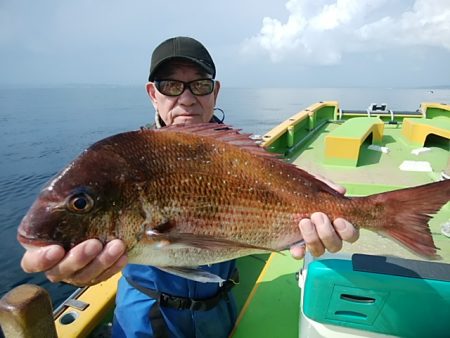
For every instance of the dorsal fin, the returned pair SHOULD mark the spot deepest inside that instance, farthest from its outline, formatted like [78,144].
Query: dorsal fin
[226,133]
[223,133]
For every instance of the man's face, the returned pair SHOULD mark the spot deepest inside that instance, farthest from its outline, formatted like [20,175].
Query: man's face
[185,108]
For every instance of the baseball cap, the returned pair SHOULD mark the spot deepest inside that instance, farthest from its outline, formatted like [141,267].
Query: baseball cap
[182,47]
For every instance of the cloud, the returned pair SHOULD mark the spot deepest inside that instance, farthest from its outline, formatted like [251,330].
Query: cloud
[323,31]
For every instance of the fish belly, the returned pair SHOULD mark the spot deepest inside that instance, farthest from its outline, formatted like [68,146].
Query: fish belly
[187,256]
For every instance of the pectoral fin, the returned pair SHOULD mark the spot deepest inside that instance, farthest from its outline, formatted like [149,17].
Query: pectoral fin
[202,241]
[195,274]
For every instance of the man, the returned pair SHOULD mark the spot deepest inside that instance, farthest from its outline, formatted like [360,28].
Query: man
[182,89]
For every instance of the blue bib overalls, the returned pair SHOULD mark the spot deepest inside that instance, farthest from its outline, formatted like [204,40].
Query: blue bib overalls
[139,315]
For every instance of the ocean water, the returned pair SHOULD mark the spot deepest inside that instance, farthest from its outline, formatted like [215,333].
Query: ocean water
[42,129]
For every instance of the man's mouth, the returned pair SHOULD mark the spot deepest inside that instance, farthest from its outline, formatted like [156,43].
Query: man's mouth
[183,118]
[187,115]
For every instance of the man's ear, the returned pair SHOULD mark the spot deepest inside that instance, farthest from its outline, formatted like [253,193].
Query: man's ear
[151,91]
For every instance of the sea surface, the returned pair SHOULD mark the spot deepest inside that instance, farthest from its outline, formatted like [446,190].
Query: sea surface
[42,129]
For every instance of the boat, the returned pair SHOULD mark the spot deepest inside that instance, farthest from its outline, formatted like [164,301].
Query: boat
[371,288]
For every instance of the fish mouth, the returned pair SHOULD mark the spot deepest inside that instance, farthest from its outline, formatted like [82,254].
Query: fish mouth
[28,241]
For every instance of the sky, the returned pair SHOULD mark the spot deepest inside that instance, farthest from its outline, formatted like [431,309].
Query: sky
[254,43]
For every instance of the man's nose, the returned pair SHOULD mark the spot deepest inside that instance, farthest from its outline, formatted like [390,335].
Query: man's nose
[186,97]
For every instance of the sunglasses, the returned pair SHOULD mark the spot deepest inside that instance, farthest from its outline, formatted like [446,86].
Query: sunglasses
[199,87]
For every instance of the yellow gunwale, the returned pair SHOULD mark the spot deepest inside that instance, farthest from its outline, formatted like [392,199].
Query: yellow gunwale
[282,128]
[101,298]
[426,105]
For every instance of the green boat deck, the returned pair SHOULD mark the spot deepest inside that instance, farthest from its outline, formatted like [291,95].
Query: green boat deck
[273,306]
[375,170]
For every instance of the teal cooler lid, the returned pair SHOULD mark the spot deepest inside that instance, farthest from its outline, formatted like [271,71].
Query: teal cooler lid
[394,296]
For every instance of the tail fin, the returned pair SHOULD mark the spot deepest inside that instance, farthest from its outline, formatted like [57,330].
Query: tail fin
[407,212]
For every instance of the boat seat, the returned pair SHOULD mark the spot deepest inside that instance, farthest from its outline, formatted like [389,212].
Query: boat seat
[415,131]
[342,145]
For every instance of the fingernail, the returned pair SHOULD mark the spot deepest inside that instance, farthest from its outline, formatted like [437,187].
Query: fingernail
[319,218]
[306,227]
[92,249]
[53,253]
[115,249]
[340,224]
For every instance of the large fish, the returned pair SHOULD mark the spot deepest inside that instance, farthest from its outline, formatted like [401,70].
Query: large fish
[193,195]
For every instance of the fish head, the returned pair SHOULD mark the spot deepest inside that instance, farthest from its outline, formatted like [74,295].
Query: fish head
[83,201]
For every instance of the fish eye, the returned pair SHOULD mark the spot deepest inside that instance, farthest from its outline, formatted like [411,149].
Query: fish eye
[80,203]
